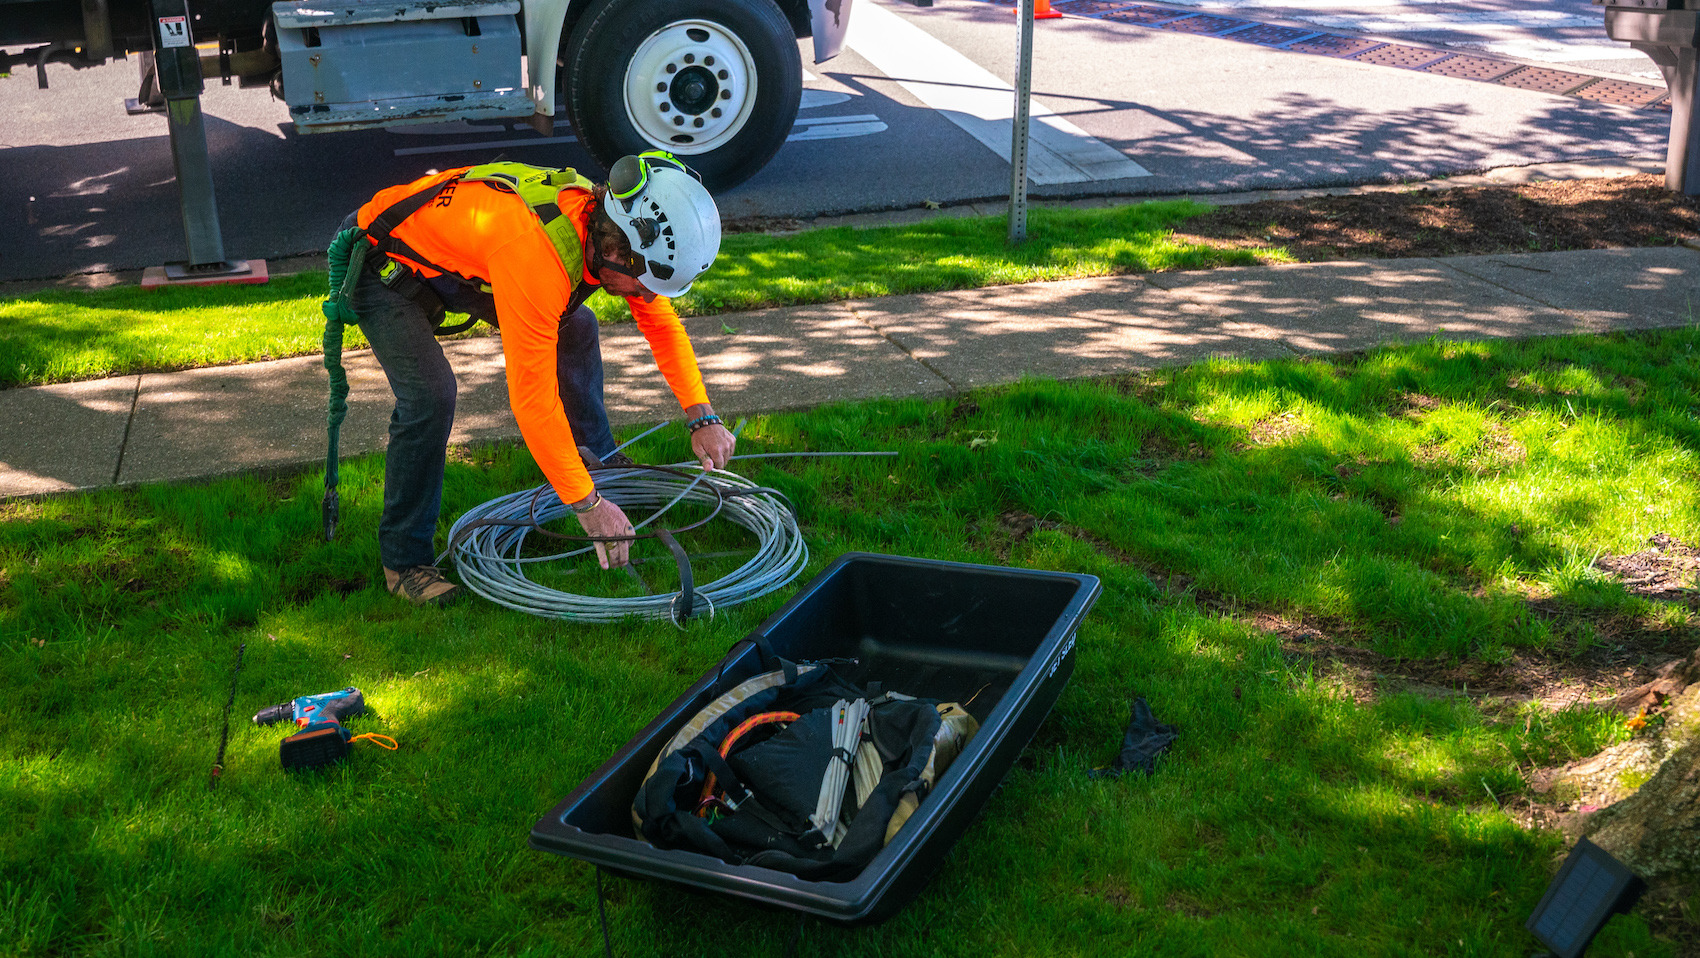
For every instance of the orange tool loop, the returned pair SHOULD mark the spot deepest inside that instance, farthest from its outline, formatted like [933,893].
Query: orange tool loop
[763,718]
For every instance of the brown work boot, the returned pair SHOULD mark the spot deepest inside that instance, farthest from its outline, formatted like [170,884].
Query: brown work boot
[422,585]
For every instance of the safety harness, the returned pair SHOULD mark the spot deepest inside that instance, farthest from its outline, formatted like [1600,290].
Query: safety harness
[799,769]
[350,255]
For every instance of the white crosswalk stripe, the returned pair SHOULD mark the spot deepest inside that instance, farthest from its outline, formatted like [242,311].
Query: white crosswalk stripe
[980,103]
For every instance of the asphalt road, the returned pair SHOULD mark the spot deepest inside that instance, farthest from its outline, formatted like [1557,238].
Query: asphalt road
[1548,31]
[915,111]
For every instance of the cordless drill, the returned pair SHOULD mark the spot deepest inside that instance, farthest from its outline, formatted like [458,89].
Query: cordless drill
[322,738]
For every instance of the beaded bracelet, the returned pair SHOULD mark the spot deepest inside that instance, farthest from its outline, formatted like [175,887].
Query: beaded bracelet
[702,422]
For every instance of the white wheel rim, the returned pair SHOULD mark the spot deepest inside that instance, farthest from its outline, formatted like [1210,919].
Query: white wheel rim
[690,87]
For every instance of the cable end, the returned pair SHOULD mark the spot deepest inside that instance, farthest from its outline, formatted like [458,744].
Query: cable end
[329,511]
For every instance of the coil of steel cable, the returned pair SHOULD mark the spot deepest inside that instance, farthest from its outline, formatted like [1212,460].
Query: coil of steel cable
[486,543]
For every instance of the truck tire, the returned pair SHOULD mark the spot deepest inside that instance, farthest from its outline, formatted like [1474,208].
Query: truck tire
[716,83]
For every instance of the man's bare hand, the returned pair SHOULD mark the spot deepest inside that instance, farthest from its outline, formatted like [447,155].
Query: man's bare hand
[606,521]
[713,445]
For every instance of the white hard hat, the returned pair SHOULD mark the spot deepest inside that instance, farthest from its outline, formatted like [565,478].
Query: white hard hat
[668,217]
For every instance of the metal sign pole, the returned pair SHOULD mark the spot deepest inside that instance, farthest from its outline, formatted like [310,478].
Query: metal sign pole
[1018,129]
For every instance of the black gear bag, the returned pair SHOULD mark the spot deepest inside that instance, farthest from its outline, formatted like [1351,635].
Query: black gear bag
[799,770]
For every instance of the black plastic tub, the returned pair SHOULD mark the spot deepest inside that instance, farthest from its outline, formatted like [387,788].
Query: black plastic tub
[999,639]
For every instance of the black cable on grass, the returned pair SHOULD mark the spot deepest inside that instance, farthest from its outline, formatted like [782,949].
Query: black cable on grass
[602,910]
[224,736]
[797,938]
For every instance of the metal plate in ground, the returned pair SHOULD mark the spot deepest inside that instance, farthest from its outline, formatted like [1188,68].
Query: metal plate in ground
[1621,92]
[1544,80]
[1401,56]
[1271,35]
[1144,15]
[1202,24]
[1087,8]
[1330,45]
[1471,68]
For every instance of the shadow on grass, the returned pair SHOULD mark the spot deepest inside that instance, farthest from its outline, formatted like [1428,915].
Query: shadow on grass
[1285,813]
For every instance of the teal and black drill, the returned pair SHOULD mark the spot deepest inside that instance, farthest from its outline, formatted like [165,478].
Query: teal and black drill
[322,739]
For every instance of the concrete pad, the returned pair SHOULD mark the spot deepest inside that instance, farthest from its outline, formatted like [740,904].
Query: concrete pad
[63,437]
[1605,288]
[242,272]
[800,356]
[482,413]
[205,422]
[1088,327]
[224,419]
[771,359]
[1330,307]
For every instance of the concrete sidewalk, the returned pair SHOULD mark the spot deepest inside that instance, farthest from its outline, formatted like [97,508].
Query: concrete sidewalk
[208,422]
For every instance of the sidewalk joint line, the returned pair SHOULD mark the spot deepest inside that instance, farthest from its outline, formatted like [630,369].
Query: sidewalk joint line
[124,443]
[1514,292]
[929,367]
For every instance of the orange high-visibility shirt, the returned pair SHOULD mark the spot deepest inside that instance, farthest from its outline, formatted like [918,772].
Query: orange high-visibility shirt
[488,235]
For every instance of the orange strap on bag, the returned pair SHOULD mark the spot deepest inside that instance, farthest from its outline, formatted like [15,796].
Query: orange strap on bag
[764,718]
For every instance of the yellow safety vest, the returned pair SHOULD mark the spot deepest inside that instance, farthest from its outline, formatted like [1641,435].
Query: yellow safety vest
[538,186]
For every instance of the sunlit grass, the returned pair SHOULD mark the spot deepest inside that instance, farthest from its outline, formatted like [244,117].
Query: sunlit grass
[1376,495]
[65,335]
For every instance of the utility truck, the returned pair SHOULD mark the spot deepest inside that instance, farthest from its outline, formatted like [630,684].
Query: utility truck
[716,82]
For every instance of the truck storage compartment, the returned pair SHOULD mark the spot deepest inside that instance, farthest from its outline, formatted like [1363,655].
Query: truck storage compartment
[999,640]
[361,64]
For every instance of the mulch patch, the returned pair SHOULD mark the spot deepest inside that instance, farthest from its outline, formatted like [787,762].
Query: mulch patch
[1599,213]
[1669,571]
[1555,215]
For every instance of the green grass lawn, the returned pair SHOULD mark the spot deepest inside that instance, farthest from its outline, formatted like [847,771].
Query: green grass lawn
[60,336]
[1410,501]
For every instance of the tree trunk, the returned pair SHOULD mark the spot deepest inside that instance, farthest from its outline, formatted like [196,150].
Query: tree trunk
[1656,830]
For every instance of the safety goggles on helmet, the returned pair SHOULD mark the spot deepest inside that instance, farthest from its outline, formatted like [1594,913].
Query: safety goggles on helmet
[631,173]
[667,217]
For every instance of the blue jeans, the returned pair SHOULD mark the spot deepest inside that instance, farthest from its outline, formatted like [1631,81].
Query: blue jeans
[424,387]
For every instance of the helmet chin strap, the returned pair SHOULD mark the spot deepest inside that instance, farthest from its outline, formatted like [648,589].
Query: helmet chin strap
[618,267]
[597,261]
